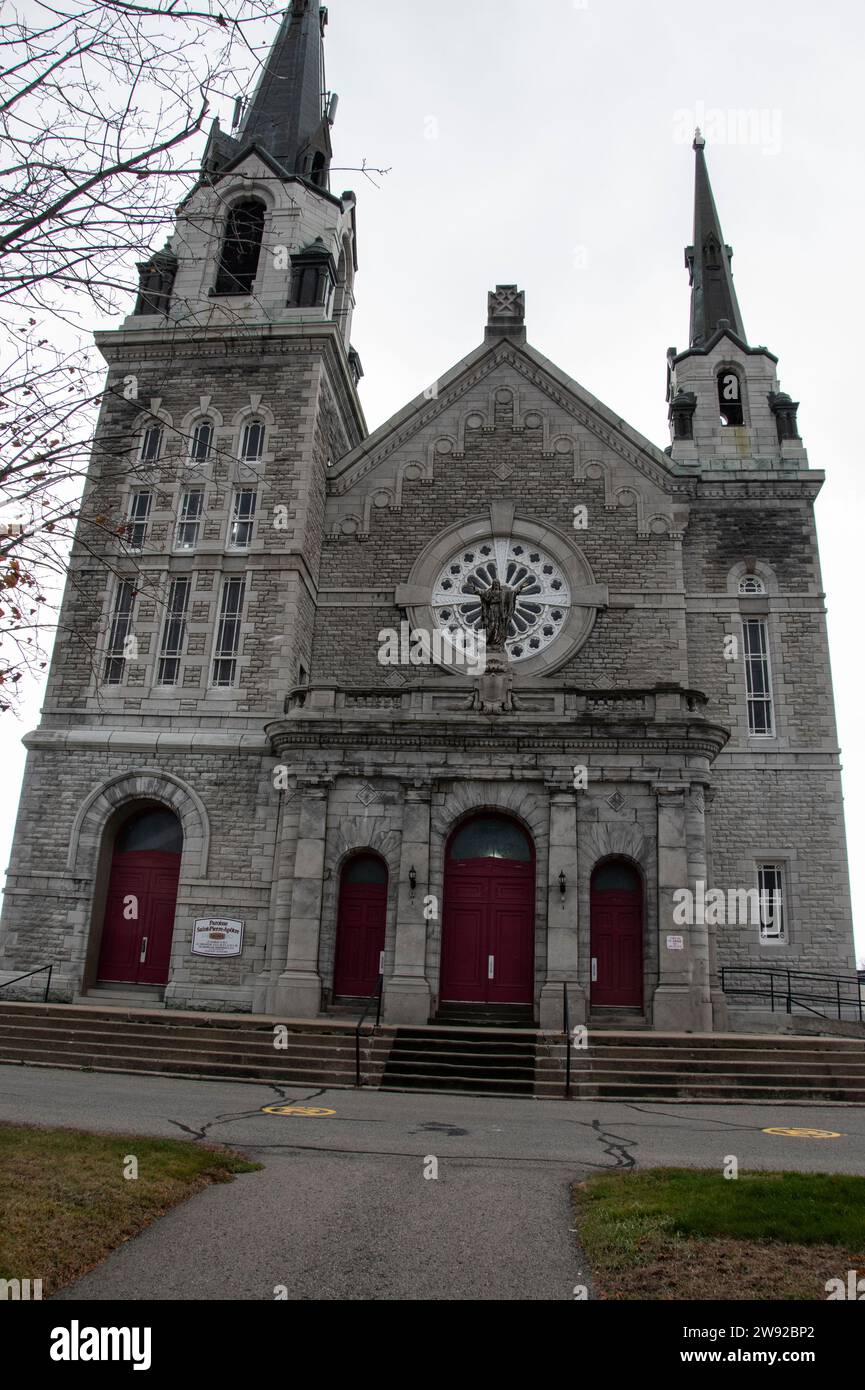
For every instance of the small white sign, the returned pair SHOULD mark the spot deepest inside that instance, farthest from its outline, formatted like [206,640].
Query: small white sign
[675,943]
[216,936]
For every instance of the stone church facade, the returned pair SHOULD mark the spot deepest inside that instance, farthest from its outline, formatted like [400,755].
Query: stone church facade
[226,742]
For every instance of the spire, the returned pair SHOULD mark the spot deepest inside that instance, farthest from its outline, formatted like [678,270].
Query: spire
[713,298]
[286,115]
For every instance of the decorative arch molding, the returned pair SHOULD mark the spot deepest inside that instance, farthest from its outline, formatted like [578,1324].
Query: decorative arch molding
[145,784]
[353,835]
[759,569]
[205,410]
[478,798]
[610,840]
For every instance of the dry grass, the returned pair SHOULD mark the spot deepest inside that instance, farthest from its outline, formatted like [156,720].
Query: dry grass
[65,1203]
[688,1234]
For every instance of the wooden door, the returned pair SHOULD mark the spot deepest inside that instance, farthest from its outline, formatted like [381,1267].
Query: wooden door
[139,918]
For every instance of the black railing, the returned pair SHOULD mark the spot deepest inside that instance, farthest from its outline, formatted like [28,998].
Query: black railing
[566,1024]
[28,975]
[376,995]
[803,988]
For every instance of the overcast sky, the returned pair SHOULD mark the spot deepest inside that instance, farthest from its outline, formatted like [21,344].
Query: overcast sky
[548,144]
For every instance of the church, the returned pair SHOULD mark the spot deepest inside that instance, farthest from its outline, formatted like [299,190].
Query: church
[498,704]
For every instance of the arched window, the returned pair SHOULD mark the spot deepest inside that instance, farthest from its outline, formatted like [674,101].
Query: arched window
[491,837]
[318,172]
[241,247]
[151,831]
[615,877]
[364,868]
[151,444]
[751,584]
[730,397]
[252,442]
[201,442]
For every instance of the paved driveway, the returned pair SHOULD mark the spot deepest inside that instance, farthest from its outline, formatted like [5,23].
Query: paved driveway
[343,1208]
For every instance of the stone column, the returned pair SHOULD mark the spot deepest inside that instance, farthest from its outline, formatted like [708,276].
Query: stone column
[280,905]
[677,1005]
[562,914]
[297,992]
[407,991]
[695,832]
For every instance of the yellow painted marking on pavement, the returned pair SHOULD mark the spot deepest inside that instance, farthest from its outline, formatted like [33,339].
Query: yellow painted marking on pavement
[805,1133]
[295,1110]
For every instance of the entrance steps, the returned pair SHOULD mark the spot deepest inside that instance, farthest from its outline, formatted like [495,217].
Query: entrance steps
[522,1061]
[224,1047]
[627,1065]
[124,996]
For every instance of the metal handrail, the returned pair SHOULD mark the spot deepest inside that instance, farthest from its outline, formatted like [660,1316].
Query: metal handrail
[376,994]
[27,976]
[792,992]
[566,1024]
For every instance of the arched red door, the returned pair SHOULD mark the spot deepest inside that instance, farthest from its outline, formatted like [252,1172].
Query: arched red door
[142,900]
[617,936]
[360,927]
[488,926]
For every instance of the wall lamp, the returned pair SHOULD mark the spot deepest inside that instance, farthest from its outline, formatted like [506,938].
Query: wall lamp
[412,881]
[563,885]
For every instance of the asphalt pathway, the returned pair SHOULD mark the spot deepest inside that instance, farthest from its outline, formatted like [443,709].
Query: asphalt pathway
[392,1195]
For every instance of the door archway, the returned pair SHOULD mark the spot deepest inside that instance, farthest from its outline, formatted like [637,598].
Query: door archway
[360,926]
[488,924]
[141,900]
[617,935]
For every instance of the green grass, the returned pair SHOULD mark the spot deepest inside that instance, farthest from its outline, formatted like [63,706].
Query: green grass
[677,1232]
[66,1204]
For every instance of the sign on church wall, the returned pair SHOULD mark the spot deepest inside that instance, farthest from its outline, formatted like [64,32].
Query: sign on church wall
[216,936]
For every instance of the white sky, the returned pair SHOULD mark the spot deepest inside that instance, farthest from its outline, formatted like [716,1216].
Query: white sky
[542,144]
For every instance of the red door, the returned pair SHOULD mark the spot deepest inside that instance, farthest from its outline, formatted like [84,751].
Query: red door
[360,927]
[488,932]
[139,918]
[617,937]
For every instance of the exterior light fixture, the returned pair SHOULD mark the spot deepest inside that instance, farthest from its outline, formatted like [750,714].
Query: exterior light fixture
[412,881]
[563,885]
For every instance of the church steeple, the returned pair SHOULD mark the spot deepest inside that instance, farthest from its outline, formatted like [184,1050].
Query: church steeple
[286,117]
[713,297]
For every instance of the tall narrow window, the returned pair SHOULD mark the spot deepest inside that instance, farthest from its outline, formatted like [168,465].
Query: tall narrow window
[135,533]
[770,884]
[758,677]
[119,633]
[189,520]
[228,633]
[241,248]
[201,443]
[730,397]
[173,633]
[151,444]
[243,519]
[252,442]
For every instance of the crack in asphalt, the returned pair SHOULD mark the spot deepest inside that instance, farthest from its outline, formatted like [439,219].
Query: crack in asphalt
[615,1145]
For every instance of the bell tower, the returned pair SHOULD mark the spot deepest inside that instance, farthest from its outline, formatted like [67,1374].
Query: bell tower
[725,402]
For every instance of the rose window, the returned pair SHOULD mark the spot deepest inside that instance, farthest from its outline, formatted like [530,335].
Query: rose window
[541,609]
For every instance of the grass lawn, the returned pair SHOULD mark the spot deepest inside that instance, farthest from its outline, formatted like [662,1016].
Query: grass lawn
[684,1233]
[65,1203]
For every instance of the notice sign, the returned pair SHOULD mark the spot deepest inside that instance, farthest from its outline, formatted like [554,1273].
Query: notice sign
[215,936]
[675,943]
